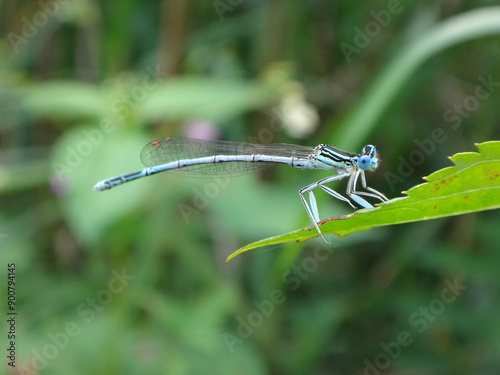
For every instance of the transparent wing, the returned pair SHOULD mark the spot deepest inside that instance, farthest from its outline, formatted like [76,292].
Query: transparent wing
[171,149]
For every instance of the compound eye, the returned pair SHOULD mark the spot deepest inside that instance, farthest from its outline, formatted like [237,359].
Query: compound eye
[364,162]
[369,150]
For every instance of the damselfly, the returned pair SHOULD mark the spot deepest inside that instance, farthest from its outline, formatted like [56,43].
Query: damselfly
[200,158]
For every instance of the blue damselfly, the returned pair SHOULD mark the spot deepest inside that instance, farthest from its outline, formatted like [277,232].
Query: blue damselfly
[201,158]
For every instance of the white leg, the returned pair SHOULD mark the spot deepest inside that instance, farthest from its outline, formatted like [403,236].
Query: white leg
[355,194]
[334,194]
[310,214]
[377,194]
[312,207]
[362,202]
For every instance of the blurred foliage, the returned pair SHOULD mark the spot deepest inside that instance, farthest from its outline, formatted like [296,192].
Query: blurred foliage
[134,279]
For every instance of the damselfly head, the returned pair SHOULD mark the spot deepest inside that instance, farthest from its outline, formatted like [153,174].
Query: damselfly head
[368,159]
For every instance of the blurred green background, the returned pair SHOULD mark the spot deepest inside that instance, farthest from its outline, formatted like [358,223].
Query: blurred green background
[134,280]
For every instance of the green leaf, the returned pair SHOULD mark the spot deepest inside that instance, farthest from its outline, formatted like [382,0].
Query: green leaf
[66,100]
[472,185]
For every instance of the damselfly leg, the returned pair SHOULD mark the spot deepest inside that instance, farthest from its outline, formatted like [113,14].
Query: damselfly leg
[312,207]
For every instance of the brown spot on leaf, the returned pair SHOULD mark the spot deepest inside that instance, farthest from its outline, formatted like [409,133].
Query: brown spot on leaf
[448,180]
